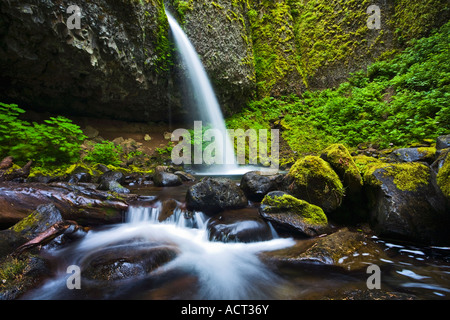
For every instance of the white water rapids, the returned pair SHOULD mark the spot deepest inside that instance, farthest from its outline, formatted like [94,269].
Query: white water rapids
[223,271]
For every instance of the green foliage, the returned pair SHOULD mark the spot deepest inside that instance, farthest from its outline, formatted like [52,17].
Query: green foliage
[400,101]
[106,153]
[55,141]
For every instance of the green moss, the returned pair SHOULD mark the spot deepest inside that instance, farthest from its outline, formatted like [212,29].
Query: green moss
[428,152]
[406,176]
[311,213]
[443,178]
[311,168]
[342,162]
[11,269]
[25,224]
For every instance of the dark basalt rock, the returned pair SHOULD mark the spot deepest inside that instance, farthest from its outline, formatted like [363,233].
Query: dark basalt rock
[213,195]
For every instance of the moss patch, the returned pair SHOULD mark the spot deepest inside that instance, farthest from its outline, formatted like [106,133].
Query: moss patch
[342,162]
[311,213]
[443,178]
[406,176]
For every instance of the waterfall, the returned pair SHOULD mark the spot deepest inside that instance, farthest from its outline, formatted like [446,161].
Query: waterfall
[205,98]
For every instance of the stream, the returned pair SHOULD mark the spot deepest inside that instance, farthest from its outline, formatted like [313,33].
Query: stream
[190,266]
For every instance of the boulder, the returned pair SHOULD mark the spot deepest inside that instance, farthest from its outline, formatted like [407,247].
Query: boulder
[443,142]
[344,248]
[213,195]
[312,179]
[238,226]
[126,261]
[256,185]
[404,204]
[166,179]
[424,154]
[443,175]
[343,164]
[292,214]
[111,181]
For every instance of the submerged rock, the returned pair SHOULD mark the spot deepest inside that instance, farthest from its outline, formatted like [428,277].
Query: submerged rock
[212,195]
[312,179]
[238,226]
[346,249]
[295,215]
[126,261]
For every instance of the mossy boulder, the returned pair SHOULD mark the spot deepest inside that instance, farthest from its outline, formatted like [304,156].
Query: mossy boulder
[443,177]
[404,204]
[292,214]
[425,154]
[340,159]
[256,185]
[313,179]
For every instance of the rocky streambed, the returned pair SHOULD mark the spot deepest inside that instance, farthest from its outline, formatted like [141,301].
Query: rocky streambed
[311,233]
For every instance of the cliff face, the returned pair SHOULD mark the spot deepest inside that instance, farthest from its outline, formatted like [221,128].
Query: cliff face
[121,63]
[115,66]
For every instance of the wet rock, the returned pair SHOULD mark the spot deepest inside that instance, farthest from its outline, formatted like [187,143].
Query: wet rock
[212,195]
[312,179]
[126,261]
[346,249]
[111,181]
[167,209]
[443,174]
[28,228]
[404,204]
[29,271]
[166,179]
[424,154]
[256,185]
[75,202]
[14,172]
[443,142]
[238,226]
[185,176]
[294,215]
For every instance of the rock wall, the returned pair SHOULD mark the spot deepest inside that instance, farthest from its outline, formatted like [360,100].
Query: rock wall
[121,63]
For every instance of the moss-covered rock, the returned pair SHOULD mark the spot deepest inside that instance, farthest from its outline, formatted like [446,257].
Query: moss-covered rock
[404,204]
[340,159]
[443,177]
[312,179]
[290,213]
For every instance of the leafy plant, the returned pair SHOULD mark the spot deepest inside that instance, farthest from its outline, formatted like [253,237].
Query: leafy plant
[105,152]
[56,141]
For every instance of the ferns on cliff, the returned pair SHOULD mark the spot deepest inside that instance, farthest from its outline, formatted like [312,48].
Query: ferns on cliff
[394,102]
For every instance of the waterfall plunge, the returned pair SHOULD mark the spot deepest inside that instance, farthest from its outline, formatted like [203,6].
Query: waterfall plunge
[205,99]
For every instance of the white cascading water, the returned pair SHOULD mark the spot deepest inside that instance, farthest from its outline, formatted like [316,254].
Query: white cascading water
[223,271]
[205,98]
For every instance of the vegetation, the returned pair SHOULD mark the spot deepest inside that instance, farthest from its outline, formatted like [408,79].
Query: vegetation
[392,103]
[106,153]
[55,141]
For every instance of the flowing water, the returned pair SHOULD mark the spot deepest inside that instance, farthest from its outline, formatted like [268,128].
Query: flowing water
[145,258]
[204,96]
[212,270]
